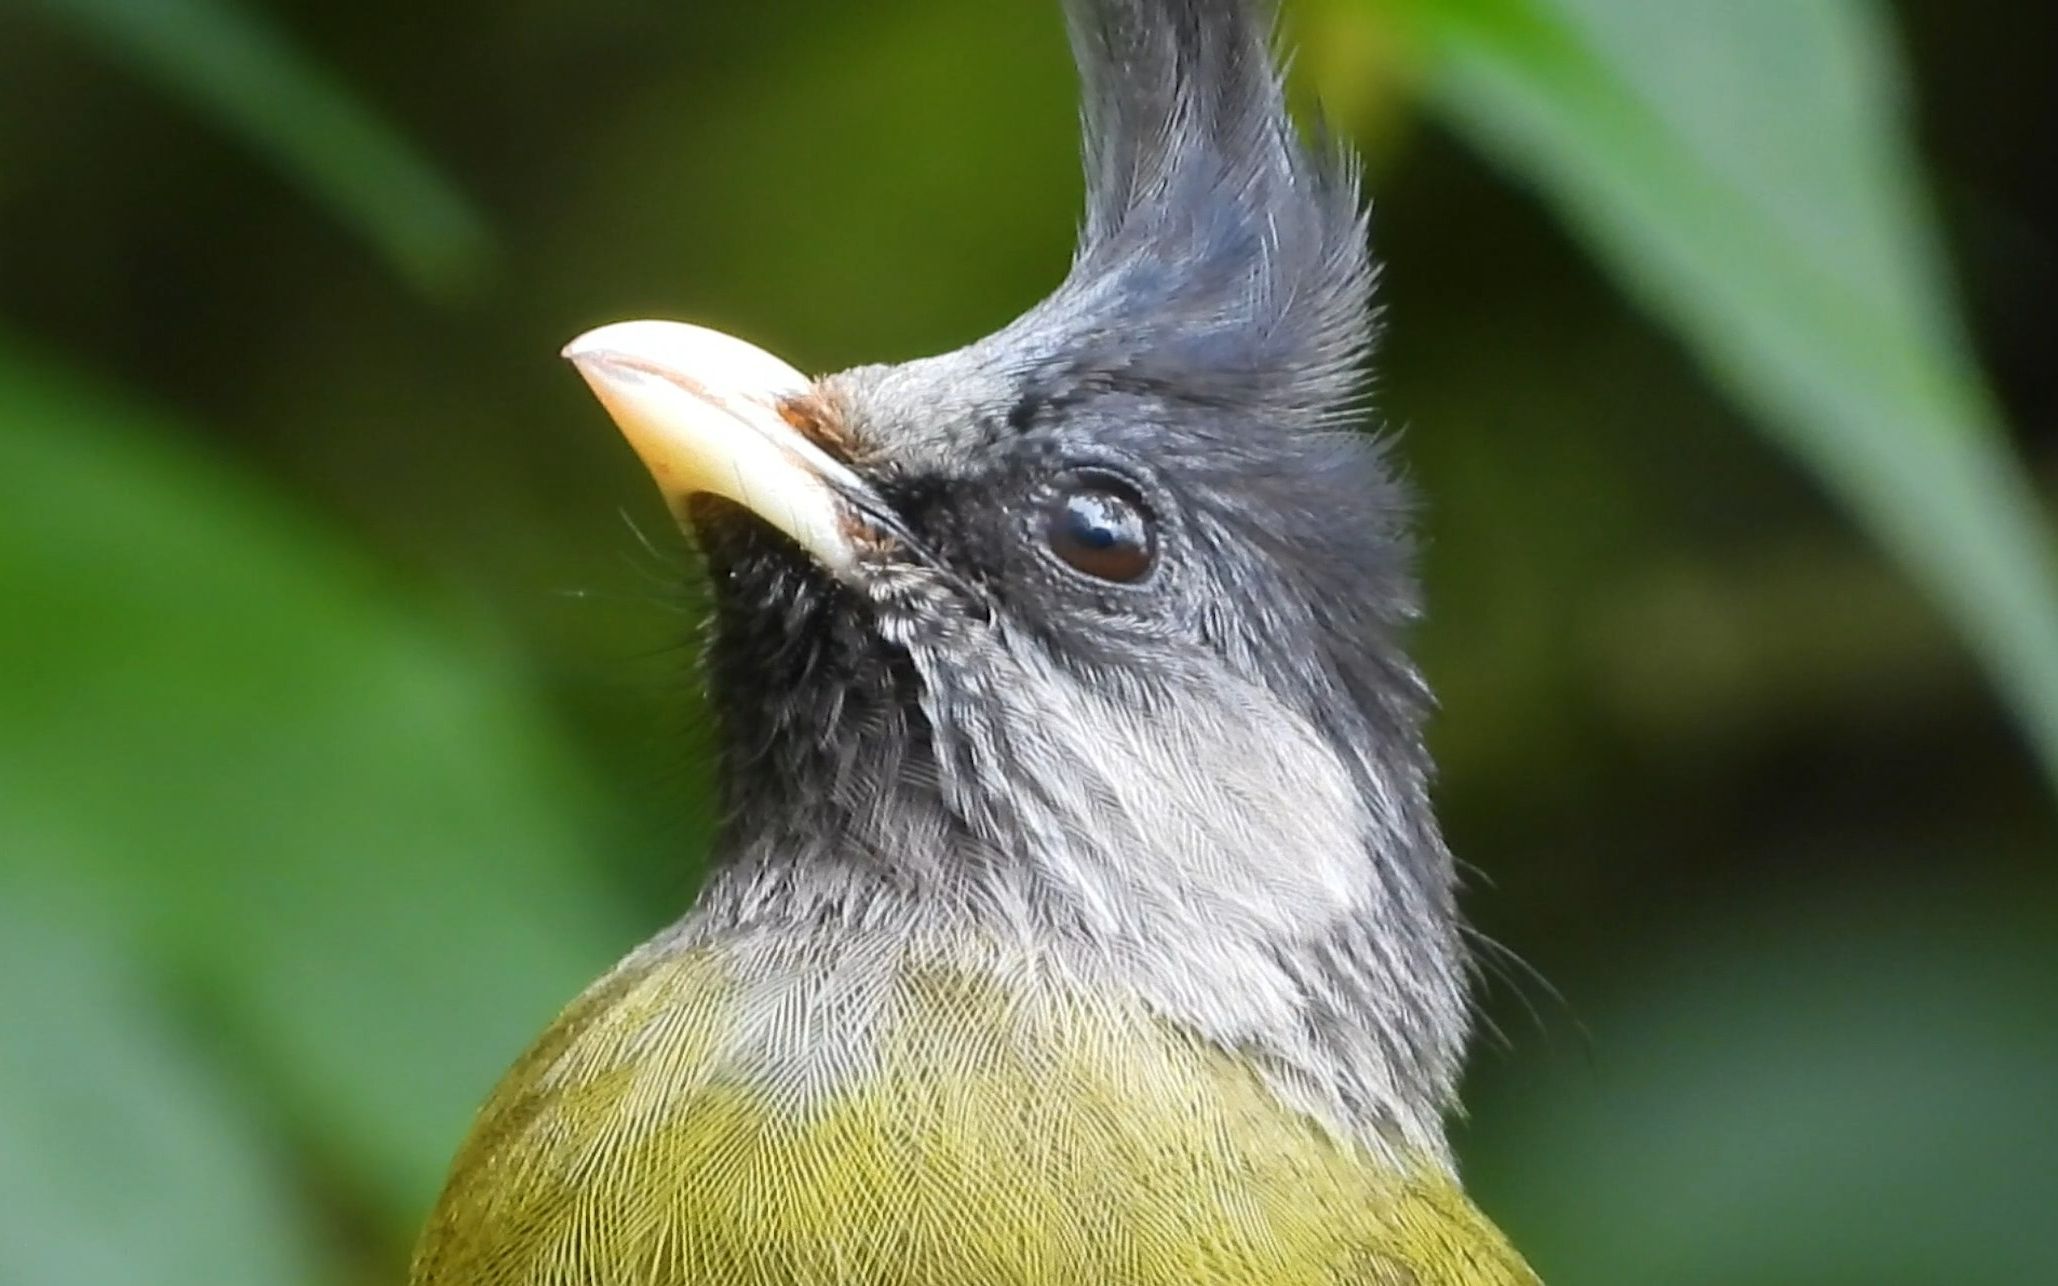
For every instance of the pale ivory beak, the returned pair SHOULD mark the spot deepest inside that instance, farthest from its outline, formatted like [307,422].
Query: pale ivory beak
[703,410]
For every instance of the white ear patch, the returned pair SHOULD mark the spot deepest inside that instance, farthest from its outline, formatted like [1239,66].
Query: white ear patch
[1227,806]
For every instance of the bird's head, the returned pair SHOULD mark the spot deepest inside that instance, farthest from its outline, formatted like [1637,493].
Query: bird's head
[1090,630]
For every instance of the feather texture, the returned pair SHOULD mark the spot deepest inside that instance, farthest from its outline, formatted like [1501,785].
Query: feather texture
[1221,261]
[1008,1134]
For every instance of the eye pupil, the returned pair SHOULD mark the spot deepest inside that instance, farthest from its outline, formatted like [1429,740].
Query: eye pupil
[1100,529]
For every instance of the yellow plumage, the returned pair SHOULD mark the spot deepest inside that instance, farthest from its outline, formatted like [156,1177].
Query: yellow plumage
[987,1133]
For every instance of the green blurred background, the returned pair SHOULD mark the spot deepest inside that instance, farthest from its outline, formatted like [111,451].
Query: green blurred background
[346,714]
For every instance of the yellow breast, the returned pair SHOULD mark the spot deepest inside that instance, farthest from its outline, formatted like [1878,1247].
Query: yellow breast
[979,1135]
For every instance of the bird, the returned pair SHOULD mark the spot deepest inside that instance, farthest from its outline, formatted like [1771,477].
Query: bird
[1078,915]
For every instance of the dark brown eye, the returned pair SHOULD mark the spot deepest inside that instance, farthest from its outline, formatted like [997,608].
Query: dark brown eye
[1099,527]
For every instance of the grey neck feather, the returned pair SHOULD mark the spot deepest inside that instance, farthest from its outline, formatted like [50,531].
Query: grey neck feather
[1192,844]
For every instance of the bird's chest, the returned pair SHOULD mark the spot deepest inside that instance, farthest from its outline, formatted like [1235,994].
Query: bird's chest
[968,1138]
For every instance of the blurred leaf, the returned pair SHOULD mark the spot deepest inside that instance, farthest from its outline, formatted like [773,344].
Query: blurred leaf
[1831,1092]
[348,829]
[123,1157]
[1744,169]
[250,78]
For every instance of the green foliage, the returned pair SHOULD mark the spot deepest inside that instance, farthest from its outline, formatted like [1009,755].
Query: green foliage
[1744,170]
[131,1159]
[344,827]
[249,78]
[1867,1110]
[310,783]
